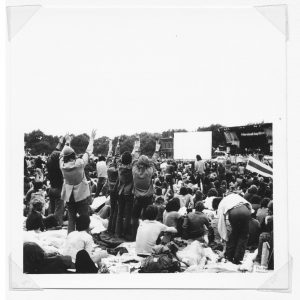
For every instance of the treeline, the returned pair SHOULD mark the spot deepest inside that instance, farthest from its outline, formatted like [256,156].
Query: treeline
[36,142]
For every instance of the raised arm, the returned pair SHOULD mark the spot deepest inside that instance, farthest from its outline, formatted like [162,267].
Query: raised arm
[60,144]
[136,149]
[117,151]
[109,158]
[155,155]
[171,230]
[90,148]
[110,152]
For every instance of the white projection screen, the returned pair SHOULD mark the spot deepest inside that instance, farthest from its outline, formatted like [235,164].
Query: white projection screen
[188,144]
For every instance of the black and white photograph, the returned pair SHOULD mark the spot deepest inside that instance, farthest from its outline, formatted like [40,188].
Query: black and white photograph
[147,142]
[150,203]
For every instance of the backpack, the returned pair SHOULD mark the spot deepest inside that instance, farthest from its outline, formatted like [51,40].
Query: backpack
[160,263]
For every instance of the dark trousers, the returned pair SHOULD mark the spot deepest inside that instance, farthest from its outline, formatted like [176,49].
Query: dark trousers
[84,263]
[113,212]
[100,184]
[199,179]
[80,207]
[123,224]
[56,204]
[236,246]
[139,207]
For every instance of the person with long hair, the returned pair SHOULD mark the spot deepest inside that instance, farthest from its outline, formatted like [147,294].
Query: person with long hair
[199,170]
[171,214]
[143,170]
[123,189]
[36,261]
[112,178]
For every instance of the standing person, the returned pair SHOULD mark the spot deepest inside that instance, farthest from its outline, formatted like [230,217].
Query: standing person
[143,170]
[123,189]
[101,168]
[170,174]
[75,189]
[238,211]
[199,170]
[56,182]
[112,177]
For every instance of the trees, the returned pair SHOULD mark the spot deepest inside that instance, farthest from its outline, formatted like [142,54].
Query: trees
[148,141]
[41,147]
[40,143]
[80,142]
[170,132]
[126,143]
[217,136]
[101,146]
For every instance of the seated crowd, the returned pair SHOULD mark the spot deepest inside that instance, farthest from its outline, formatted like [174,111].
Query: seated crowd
[140,199]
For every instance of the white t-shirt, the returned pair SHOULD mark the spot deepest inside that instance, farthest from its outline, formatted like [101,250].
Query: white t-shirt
[101,169]
[208,202]
[76,241]
[147,235]
[199,166]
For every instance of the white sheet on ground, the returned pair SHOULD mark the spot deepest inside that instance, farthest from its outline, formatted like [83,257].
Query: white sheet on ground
[51,241]
[192,254]
[97,224]
[98,201]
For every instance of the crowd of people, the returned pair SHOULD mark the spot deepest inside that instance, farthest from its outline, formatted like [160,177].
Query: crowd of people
[147,200]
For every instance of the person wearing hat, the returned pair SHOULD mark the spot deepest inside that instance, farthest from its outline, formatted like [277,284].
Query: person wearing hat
[75,190]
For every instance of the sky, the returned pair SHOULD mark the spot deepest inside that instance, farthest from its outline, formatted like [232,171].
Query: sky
[131,70]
